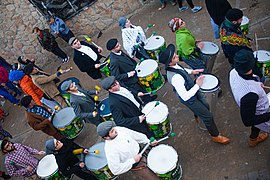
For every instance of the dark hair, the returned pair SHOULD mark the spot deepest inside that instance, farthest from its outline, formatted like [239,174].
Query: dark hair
[4,142]
[36,29]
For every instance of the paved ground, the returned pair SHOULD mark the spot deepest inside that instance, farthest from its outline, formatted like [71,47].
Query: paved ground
[201,159]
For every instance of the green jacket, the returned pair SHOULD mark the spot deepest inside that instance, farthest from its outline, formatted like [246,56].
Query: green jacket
[185,42]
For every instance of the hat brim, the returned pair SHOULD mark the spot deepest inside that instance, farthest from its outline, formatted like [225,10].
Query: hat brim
[171,50]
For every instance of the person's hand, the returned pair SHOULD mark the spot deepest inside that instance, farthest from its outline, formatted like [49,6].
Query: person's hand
[85,151]
[197,71]
[95,113]
[199,80]
[154,143]
[100,49]
[200,45]
[142,118]
[29,168]
[97,92]
[97,66]
[41,152]
[133,57]
[81,164]
[56,33]
[131,73]
[137,158]
[3,84]
[140,94]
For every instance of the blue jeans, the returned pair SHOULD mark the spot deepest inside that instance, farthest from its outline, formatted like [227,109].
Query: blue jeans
[8,96]
[215,29]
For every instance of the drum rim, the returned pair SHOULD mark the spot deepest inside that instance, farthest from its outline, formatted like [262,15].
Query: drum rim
[247,22]
[262,51]
[143,62]
[175,164]
[208,42]
[62,126]
[94,170]
[155,48]
[51,173]
[163,119]
[212,89]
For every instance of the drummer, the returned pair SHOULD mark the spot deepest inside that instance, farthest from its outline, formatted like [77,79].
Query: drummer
[123,68]
[122,150]
[250,97]
[188,48]
[125,107]
[133,39]
[39,118]
[19,159]
[83,104]
[67,161]
[188,91]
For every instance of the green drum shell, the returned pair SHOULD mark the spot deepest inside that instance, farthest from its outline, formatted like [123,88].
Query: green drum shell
[56,176]
[245,25]
[174,174]
[160,130]
[104,174]
[105,70]
[153,52]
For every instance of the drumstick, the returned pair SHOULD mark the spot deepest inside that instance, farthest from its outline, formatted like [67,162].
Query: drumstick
[266,87]
[257,46]
[66,70]
[148,93]
[157,103]
[97,88]
[96,103]
[80,151]
[90,40]
[148,26]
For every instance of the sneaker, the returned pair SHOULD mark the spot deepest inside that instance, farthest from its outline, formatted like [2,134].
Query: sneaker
[162,7]
[255,141]
[174,3]
[196,9]
[65,60]
[183,8]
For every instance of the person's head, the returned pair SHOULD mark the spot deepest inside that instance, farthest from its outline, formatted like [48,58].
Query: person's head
[110,84]
[6,146]
[176,23]
[107,130]
[244,62]
[27,102]
[22,60]
[16,66]
[124,22]
[69,86]
[30,69]
[50,19]
[16,75]
[113,45]
[36,30]
[235,16]
[169,57]
[74,43]
[53,145]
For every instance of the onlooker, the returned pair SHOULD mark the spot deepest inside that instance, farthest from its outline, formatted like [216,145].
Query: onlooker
[182,8]
[47,41]
[23,61]
[5,64]
[163,4]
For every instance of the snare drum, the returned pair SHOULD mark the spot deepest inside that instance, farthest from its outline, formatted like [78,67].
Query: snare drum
[155,45]
[97,163]
[163,160]
[263,61]
[149,75]
[158,119]
[210,89]
[105,67]
[244,25]
[104,110]
[210,49]
[48,169]
[66,122]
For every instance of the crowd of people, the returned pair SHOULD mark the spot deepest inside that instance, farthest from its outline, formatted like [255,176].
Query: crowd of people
[127,97]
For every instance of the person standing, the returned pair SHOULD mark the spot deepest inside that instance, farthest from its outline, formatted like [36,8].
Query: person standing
[83,104]
[250,96]
[188,91]
[182,8]
[217,11]
[122,150]
[125,107]
[86,57]
[59,28]
[39,118]
[163,4]
[68,163]
[19,159]
[48,42]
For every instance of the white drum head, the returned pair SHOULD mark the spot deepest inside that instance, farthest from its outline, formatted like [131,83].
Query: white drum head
[262,55]
[158,114]
[63,117]
[154,42]
[162,159]
[210,83]
[268,96]
[209,48]
[47,166]
[146,67]
[244,21]
[94,161]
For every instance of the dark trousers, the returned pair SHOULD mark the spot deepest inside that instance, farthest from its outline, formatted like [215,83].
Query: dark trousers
[58,52]
[84,175]
[67,36]
[200,108]
[254,132]
[190,3]
[7,95]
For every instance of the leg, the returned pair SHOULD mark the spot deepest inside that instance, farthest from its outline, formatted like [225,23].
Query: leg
[215,29]
[256,137]
[58,52]
[145,172]
[163,5]
[190,3]
[8,96]
[13,88]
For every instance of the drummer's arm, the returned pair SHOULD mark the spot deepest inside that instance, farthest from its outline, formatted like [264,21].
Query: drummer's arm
[116,166]
[78,111]
[120,120]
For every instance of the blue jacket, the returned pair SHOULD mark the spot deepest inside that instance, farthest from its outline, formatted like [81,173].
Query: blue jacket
[59,26]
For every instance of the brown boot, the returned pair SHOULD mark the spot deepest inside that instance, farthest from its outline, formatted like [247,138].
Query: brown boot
[255,141]
[221,139]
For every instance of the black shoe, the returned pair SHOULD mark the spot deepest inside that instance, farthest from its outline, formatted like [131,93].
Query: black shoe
[5,176]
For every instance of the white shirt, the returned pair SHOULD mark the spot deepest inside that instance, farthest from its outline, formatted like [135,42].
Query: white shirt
[124,92]
[88,51]
[78,93]
[178,82]
[121,150]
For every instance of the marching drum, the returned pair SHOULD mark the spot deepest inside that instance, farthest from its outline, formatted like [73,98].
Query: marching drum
[263,61]
[163,160]
[104,110]
[210,49]
[157,118]
[48,169]
[104,68]
[66,122]
[244,25]
[210,89]
[149,75]
[97,163]
[155,45]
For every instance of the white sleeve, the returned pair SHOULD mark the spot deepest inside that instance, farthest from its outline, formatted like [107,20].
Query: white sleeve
[127,42]
[137,136]
[178,83]
[189,71]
